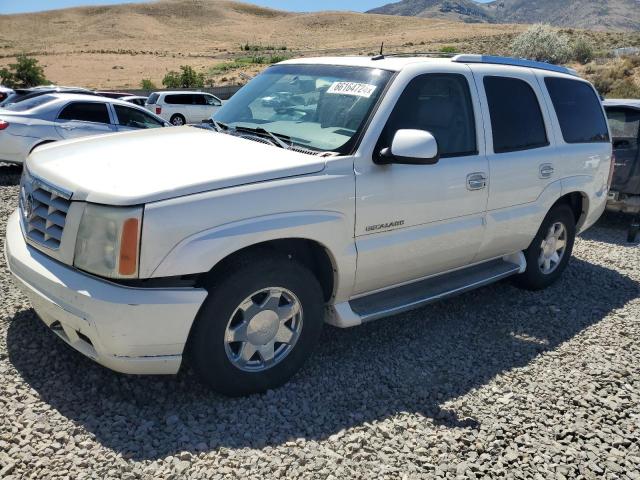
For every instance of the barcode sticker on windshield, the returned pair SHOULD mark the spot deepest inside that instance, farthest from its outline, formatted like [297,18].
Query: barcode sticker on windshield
[351,88]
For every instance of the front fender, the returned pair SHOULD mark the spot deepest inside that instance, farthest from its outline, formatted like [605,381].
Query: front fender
[202,251]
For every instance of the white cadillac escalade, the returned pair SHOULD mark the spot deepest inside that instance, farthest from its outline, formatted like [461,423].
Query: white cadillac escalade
[337,190]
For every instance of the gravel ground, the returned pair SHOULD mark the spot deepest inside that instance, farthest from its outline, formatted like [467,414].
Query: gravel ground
[498,383]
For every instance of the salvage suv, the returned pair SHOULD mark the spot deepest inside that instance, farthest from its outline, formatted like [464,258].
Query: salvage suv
[376,185]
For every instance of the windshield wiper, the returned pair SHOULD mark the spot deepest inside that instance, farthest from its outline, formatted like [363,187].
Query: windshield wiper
[219,126]
[259,130]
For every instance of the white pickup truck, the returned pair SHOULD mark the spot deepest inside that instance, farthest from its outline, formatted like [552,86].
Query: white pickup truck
[337,190]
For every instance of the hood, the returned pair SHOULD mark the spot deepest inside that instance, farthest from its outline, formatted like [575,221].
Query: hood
[151,165]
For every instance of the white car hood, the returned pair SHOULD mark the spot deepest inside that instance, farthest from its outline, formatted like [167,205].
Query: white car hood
[146,166]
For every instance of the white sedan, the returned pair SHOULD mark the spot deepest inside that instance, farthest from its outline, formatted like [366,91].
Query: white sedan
[49,118]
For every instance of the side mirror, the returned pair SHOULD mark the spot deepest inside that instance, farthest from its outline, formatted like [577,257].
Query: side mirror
[410,147]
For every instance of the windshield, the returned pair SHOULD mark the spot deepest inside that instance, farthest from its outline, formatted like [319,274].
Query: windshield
[321,107]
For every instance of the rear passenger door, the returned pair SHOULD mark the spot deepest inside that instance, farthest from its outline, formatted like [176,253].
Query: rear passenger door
[80,119]
[522,161]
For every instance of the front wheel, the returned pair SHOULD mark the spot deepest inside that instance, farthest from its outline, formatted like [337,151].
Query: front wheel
[258,325]
[550,251]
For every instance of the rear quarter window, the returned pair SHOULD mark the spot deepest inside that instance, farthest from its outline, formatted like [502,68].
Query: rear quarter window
[578,110]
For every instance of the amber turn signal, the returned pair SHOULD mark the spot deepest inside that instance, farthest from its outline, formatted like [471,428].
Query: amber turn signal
[129,247]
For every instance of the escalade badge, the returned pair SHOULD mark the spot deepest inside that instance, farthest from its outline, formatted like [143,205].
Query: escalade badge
[384,226]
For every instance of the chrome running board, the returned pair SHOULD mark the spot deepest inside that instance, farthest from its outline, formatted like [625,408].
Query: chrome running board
[420,293]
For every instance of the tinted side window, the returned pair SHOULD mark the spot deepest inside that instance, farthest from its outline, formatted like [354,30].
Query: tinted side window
[85,112]
[578,109]
[179,99]
[199,100]
[440,104]
[516,118]
[131,117]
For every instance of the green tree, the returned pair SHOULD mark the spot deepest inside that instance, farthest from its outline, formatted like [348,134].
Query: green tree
[190,79]
[172,80]
[26,72]
[186,78]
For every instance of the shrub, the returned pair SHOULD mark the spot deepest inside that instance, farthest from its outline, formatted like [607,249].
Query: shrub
[615,78]
[542,43]
[24,73]
[582,51]
[187,78]
[171,79]
[448,49]
[625,88]
[147,84]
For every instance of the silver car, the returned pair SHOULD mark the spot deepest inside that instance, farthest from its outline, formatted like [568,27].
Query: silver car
[59,116]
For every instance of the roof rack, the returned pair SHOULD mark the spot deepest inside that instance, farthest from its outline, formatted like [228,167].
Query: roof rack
[414,54]
[517,62]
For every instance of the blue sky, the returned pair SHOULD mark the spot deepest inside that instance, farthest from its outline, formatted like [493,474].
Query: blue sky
[19,6]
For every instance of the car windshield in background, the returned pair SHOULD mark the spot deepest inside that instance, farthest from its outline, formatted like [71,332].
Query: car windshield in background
[320,107]
[30,104]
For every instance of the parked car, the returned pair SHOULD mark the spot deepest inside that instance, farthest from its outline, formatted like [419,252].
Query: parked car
[48,118]
[368,197]
[181,108]
[624,121]
[5,92]
[116,95]
[135,99]
[21,94]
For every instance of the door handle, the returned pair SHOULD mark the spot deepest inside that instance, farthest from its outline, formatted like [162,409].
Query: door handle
[476,181]
[546,170]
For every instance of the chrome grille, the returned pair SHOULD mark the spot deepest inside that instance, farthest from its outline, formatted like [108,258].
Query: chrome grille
[44,211]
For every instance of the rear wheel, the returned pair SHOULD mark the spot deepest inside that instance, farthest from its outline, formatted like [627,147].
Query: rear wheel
[177,120]
[257,326]
[550,251]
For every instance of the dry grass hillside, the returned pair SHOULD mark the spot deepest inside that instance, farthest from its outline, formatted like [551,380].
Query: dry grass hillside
[117,46]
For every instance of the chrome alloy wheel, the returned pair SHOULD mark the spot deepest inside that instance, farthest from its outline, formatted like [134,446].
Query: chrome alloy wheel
[552,248]
[263,330]
[177,121]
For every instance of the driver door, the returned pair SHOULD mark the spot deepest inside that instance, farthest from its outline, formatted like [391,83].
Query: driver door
[414,221]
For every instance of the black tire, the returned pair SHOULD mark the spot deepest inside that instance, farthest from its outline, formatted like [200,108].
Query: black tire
[177,120]
[207,348]
[534,278]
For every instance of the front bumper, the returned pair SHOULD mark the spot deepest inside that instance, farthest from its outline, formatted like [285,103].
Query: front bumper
[130,330]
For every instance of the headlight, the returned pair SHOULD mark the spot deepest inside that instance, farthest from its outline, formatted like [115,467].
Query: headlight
[108,242]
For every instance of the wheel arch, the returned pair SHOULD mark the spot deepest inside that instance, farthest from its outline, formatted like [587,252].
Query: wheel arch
[310,253]
[578,201]
[41,143]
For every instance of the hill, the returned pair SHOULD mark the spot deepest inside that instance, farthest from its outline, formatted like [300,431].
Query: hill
[116,46]
[592,14]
